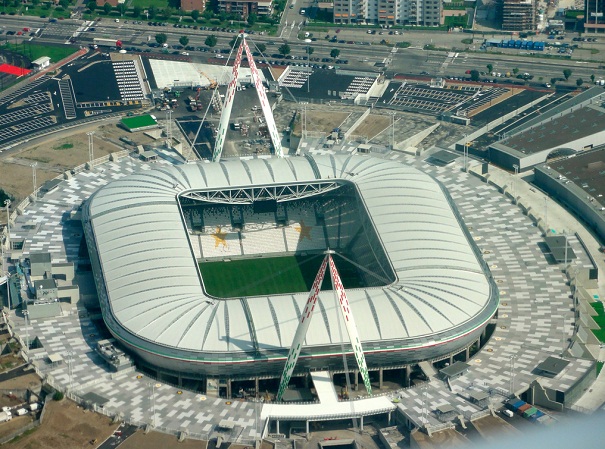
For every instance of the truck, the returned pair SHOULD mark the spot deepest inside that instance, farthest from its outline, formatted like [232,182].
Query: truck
[102,42]
[5,416]
[21,412]
[34,406]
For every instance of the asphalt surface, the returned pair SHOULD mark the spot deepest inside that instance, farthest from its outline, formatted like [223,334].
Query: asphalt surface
[118,437]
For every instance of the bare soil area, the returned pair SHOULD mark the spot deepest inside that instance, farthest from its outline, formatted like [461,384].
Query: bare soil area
[445,439]
[58,153]
[321,121]
[18,422]
[30,380]
[156,440]
[492,428]
[67,426]
[372,125]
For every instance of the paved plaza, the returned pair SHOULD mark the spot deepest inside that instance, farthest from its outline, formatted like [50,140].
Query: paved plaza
[535,318]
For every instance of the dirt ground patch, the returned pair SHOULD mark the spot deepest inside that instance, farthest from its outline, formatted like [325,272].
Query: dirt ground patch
[156,440]
[18,422]
[445,439]
[31,381]
[492,428]
[321,121]
[372,125]
[66,426]
[58,153]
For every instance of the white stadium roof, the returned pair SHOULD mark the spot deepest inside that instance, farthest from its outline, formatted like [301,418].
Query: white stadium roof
[153,286]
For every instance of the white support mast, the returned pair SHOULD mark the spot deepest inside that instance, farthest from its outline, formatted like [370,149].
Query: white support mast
[264,102]
[226,114]
[305,321]
[301,331]
[228,105]
[347,314]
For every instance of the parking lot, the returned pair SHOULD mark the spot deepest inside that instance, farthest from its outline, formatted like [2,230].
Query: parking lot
[427,99]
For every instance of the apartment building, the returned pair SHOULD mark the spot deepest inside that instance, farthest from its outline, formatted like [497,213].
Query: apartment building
[388,12]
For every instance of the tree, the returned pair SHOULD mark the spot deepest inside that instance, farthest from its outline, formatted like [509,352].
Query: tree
[474,75]
[334,53]
[567,73]
[592,77]
[210,40]
[579,82]
[167,12]
[107,8]
[553,81]
[252,18]
[184,40]
[490,68]
[234,42]
[261,47]
[37,2]
[284,49]
[161,38]
[152,12]
[136,11]
[90,5]
[515,71]
[310,50]
[64,3]
[195,14]
[121,8]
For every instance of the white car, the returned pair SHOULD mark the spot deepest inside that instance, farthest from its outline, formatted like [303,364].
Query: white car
[220,56]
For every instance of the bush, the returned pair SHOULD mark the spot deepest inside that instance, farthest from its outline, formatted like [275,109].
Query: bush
[58,396]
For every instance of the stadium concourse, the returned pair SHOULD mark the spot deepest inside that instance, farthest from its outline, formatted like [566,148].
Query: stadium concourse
[535,322]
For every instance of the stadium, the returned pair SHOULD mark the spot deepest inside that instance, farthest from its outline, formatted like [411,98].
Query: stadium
[202,269]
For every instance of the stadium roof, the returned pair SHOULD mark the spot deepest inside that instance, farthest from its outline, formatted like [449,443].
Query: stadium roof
[152,283]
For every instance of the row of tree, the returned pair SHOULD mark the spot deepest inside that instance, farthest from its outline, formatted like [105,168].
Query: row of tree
[211,41]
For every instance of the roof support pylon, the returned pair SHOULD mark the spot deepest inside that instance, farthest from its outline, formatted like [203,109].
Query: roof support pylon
[228,104]
[226,114]
[305,321]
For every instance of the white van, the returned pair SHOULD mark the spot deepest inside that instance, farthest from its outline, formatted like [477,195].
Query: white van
[508,413]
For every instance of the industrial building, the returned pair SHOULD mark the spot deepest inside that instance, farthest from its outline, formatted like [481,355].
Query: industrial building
[389,12]
[571,127]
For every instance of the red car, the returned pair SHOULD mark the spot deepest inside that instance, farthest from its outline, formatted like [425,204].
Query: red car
[19,33]
[468,72]
[26,29]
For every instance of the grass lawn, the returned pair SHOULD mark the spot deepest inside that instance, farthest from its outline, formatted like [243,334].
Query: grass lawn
[34,51]
[271,275]
[161,4]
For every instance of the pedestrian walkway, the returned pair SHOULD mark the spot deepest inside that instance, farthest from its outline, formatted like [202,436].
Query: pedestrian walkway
[322,381]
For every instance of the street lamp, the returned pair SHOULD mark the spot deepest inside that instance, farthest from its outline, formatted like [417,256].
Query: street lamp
[7,203]
[34,181]
[26,314]
[516,167]
[90,147]
[152,385]
[512,374]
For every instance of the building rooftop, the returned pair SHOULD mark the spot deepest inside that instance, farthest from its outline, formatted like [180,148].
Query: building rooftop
[559,131]
[586,170]
[552,366]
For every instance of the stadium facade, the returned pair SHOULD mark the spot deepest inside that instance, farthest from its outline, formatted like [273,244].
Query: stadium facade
[427,291]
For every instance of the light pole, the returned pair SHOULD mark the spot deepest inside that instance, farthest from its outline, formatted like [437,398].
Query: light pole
[152,402]
[70,368]
[7,203]
[393,131]
[33,166]
[516,167]
[512,374]
[546,215]
[26,314]
[91,156]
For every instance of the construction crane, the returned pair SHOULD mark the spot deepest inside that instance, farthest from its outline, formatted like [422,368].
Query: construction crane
[213,83]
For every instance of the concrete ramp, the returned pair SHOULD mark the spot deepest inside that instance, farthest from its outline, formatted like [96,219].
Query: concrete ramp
[324,387]
[428,369]
[416,139]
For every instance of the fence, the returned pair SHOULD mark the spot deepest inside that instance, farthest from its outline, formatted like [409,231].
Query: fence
[25,428]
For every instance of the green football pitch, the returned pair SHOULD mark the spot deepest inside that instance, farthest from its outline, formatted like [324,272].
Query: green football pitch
[271,275]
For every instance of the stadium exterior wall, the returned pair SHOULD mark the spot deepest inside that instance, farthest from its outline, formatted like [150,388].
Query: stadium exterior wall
[269,361]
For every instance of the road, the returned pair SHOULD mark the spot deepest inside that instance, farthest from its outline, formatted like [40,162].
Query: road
[414,60]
